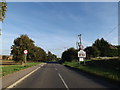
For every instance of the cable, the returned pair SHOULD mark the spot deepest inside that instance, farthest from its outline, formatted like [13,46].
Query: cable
[112,31]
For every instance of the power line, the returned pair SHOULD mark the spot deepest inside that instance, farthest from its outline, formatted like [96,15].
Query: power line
[112,30]
[106,35]
[56,49]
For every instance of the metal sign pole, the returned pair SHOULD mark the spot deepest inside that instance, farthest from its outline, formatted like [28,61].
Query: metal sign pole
[84,62]
[81,52]
[25,58]
[25,54]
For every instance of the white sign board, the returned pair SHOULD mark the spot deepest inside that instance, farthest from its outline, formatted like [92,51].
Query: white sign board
[81,54]
[25,51]
[81,59]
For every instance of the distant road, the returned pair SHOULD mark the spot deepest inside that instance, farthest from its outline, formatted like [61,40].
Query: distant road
[54,75]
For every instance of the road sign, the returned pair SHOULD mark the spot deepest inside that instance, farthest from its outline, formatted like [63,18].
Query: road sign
[81,54]
[25,51]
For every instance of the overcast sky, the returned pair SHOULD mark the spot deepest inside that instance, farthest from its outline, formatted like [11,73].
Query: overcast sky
[55,26]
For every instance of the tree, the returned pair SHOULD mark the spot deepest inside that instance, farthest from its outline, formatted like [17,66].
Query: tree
[25,43]
[51,57]
[101,48]
[20,44]
[69,55]
[3,9]
[95,52]
[39,54]
[92,51]
[5,57]
[88,51]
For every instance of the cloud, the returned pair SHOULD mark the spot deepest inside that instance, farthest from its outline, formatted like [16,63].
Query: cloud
[54,26]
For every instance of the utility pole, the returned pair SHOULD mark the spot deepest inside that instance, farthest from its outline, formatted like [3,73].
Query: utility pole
[80,38]
[81,52]
[80,43]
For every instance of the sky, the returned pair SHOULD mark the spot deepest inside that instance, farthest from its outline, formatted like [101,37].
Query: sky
[56,26]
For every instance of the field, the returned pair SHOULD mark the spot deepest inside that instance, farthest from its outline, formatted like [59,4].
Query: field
[99,68]
[7,62]
[7,69]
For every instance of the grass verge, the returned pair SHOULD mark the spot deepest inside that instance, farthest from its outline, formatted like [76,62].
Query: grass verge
[103,72]
[13,68]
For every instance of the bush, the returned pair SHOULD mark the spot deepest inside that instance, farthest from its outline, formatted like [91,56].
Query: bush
[113,64]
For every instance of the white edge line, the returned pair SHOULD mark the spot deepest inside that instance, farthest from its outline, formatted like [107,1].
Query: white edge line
[14,84]
[63,81]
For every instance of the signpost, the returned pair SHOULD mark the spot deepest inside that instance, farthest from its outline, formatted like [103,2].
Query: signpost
[81,53]
[25,53]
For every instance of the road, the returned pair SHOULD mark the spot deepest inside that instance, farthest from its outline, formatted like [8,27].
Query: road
[53,75]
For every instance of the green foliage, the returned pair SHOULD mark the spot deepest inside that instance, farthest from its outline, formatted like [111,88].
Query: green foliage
[3,9]
[101,48]
[92,51]
[118,50]
[37,54]
[69,55]
[96,70]
[88,52]
[25,43]
[13,68]
[112,64]
[95,52]
[51,57]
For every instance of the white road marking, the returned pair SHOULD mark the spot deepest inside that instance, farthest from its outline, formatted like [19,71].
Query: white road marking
[14,84]
[63,81]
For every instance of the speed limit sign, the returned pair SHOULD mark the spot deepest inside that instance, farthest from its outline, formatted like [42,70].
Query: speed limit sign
[25,51]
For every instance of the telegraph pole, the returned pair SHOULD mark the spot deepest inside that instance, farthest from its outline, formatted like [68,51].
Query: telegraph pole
[80,43]
[81,52]
[80,38]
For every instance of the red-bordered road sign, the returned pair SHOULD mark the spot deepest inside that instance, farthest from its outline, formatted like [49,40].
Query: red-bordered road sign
[25,51]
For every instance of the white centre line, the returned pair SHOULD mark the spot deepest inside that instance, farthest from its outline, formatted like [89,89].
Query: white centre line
[63,81]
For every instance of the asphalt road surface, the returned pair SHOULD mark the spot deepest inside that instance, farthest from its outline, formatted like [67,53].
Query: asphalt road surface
[53,75]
